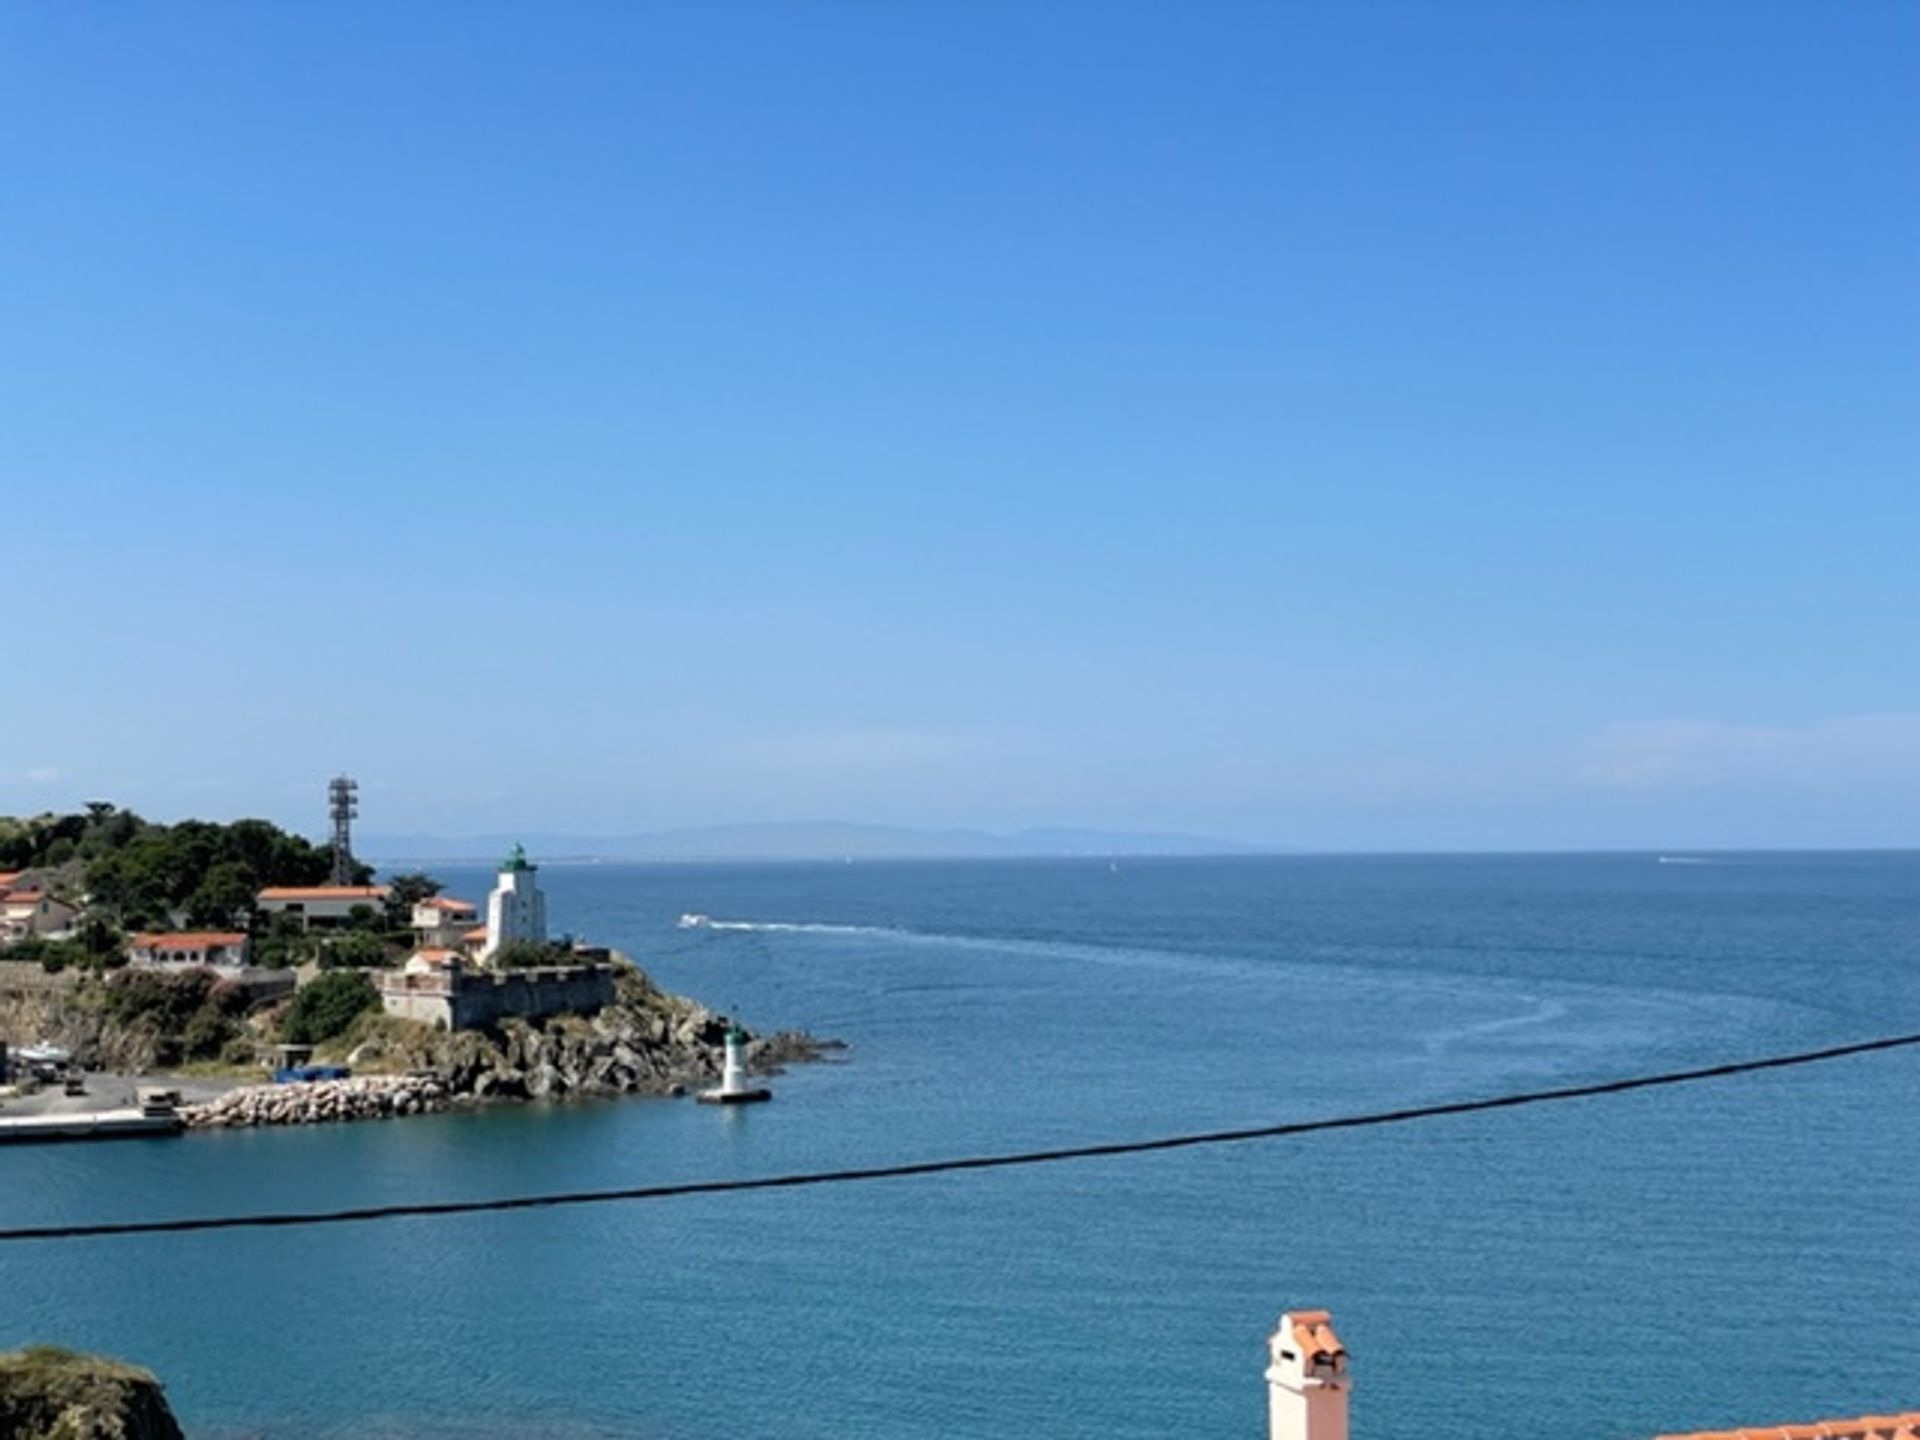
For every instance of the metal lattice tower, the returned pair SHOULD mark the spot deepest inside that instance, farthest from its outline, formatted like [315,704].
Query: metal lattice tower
[343,805]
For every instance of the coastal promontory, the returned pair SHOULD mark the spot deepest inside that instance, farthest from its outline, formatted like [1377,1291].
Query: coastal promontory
[49,1393]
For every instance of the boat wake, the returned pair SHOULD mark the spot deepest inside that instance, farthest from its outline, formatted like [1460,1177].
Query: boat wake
[693,921]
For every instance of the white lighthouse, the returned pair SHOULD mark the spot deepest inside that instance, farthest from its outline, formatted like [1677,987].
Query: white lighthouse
[733,1074]
[516,910]
[1306,1379]
[734,1089]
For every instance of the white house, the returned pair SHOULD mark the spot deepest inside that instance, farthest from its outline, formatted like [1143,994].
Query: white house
[31,911]
[320,906]
[440,922]
[188,949]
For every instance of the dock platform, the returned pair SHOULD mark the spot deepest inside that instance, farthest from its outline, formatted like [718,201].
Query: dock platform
[96,1125]
[733,1097]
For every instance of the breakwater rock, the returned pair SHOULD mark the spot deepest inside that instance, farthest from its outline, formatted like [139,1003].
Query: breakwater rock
[47,1393]
[648,1042]
[366,1097]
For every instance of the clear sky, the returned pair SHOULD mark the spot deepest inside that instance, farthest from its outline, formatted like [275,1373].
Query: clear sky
[1349,425]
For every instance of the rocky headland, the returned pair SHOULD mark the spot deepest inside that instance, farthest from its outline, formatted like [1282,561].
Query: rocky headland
[648,1042]
[47,1393]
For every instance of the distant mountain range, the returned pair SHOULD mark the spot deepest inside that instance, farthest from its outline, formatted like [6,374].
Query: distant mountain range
[799,841]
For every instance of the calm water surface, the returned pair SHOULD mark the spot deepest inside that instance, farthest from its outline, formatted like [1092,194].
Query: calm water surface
[1745,1250]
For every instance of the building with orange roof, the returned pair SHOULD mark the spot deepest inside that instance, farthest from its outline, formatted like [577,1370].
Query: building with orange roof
[1308,1385]
[188,949]
[441,922]
[1904,1426]
[320,907]
[27,912]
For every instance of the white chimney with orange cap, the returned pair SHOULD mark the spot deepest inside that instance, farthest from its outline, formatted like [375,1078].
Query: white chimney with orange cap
[1306,1379]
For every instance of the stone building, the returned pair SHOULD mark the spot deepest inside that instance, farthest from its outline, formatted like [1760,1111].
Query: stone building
[439,988]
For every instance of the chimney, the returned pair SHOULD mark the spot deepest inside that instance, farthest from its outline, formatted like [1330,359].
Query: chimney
[1306,1379]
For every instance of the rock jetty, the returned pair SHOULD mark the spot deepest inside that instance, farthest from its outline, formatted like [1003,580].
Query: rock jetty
[367,1097]
[648,1042]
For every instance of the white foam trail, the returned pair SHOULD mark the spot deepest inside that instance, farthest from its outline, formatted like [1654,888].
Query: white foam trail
[782,927]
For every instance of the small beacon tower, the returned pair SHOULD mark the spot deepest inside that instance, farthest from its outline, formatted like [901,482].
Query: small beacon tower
[1306,1379]
[516,910]
[734,1089]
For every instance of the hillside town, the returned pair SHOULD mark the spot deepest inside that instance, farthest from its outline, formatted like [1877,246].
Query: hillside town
[131,948]
[446,962]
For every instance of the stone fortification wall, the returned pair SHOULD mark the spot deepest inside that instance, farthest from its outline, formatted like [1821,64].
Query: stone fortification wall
[467,1000]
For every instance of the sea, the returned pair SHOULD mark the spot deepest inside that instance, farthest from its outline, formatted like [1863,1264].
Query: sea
[1737,1250]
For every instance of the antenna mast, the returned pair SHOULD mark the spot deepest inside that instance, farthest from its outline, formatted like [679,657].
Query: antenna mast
[343,805]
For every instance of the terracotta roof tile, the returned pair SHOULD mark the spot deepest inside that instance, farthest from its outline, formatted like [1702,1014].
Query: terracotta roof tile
[324,892]
[1903,1426]
[1314,1335]
[186,939]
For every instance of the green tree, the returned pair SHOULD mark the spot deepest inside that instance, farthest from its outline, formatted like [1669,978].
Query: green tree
[224,896]
[98,938]
[327,1006]
[355,948]
[358,871]
[206,1034]
[169,1000]
[406,891]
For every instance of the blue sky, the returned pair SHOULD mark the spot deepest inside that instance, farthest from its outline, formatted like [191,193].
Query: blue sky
[1355,425]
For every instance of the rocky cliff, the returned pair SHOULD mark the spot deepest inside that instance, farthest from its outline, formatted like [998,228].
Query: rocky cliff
[648,1042]
[54,1014]
[47,1393]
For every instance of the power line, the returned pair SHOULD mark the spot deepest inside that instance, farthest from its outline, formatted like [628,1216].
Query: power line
[1406,1115]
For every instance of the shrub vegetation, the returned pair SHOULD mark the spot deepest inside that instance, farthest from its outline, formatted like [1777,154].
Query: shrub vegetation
[326,1007]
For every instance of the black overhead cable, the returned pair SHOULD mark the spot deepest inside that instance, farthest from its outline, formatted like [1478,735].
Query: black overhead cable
[969,1162]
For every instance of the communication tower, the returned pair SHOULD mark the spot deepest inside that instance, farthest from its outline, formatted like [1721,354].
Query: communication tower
[343,804]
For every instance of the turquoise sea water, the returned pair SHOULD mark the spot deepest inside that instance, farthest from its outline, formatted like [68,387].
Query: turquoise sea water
[1742,1250]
